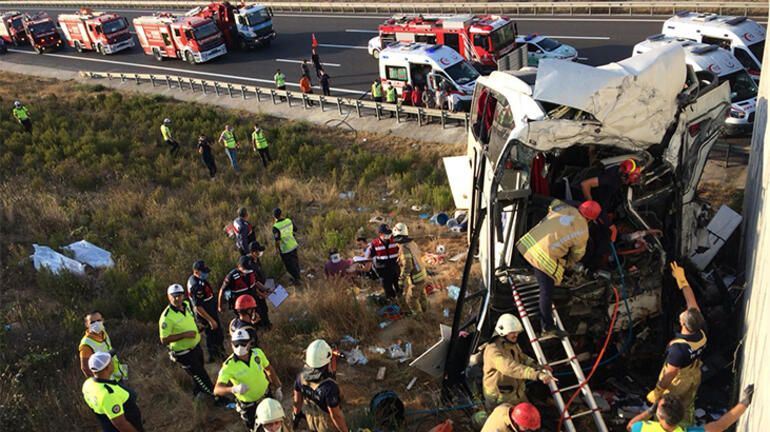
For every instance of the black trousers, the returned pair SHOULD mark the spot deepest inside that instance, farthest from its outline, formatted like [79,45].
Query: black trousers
[326,90]
[211,165]
[215,340]
[174,146]
[291,262]
[546,298]
[264,153]
[192,363]
[248,413]
[389,279]
[27,124]
[264,319]
[283,87]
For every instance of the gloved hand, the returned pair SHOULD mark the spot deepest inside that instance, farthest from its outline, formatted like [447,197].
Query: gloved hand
[655,394]
[297,418]
[240,389]
[545,377]
[747,395]
[278,394]
[678,274]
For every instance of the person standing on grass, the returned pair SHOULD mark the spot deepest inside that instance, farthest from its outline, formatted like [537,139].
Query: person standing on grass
[262,292]
[317,393]
[112,402]
[244,232]
[205,304]
[325,83]
[96,340]
[167,138]
[286,244]
[227,140]
[204,148]
[21,113]
[316,63]
[259,144]
[385,259]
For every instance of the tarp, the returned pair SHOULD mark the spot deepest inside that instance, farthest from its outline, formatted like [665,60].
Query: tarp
[54,261]
[634,100]
[90,254]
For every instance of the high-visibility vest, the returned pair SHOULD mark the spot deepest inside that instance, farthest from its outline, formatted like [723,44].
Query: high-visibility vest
[103,346]
[653,426]
[166,132]
[229,139]
[286,227]
[21,113]
[376,90]
[280,80]
[259,138]
[390,94]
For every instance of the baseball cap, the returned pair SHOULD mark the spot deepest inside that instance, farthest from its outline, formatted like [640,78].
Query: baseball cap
[175,289]
[276,212]
[384,229]
[256,247]
[99,360]
[201,266]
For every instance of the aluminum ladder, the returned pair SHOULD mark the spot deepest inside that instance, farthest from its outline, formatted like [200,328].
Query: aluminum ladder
[526,297]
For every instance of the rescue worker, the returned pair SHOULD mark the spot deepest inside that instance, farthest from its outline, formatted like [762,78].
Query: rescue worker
[681,372]
[271,418]
[112,402]
[506,367]
[376,91]
[391,96]
[205,306]
[262,292]
[286,244]
[167,137]
[365,262]
[179,331]
[280,82]
[325,86]
[246,318]
[239,281]
[316,63]
[553,245]
[244,232]
[385,261]
[604,186]
[204,148]
[259,144]
[507,418]
[669,412]
[21,113]
[413,273]
[247,375]
[316,391]
[97,340]
[227,140]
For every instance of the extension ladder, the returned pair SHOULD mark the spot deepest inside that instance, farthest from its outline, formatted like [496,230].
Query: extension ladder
[526,297]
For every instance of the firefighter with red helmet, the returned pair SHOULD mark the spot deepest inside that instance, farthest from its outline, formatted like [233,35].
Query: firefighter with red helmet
[603,186]
[507,418]
[247,317]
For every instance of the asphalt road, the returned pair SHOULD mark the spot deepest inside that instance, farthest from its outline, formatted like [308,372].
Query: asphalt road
[342,40]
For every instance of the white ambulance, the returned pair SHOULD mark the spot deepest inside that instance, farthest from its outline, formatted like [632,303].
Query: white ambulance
[705,57]
[434,66]
[744,38]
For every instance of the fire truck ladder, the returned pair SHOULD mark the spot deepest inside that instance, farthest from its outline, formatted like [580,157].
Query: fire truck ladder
[526,297]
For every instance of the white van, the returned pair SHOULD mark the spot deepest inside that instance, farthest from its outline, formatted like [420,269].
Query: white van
[744,38]
[434,66]
[704,57]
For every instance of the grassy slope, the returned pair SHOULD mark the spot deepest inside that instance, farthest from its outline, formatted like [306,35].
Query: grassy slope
[94,169]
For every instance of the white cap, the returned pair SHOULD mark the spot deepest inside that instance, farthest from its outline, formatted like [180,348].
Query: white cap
[240,335]
[166,120]
[98,361]
[17,103]
[175,289]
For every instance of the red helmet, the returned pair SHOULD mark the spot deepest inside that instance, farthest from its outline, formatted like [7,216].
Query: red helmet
[590,209]
[245,301]
[631,170]
[526,415]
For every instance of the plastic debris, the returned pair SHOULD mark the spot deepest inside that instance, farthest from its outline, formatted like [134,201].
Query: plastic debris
[424,216]
[411,383]
[408,349]
[446,312]
[440,218]
[433,287]
[88,253]
[54,261]
[355,356]
[347,339]
[431,258]
[441,249]
[381,373]
[384,324]
[458,257]
[377,350]
[396,352]
[453,291]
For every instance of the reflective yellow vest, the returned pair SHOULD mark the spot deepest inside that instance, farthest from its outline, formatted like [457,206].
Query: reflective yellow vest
[259,138]
[280,79]
[104,346]
[390,94]
[166,132]
[286,227]
[377,89]
[653,426]
[229,139]
[21,113]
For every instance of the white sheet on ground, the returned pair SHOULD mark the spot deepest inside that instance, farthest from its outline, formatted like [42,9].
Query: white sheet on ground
[90,254]
[54,261]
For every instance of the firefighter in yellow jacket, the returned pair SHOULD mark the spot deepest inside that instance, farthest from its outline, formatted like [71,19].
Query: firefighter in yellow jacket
[506,367]
[413,273]
[553,245]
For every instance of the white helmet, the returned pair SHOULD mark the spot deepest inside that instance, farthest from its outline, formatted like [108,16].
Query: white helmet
[240,335]
[400,230]
[17,103]
[507,323]
[166,120]
[269,410]
[318,354]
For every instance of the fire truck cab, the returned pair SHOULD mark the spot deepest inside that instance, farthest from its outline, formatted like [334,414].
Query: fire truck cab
[481,39]
[41,32]
[244,27]
[12,28]
[193,39]
[106,33]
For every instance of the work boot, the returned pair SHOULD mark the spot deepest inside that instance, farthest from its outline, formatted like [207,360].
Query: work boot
[554,332]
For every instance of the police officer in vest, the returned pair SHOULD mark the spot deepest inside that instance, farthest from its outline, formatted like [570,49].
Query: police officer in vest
[376,91]
[507,418]
[179,330]
[386,261]
[21,113]
[317,393]
[247,375]
[259,144]
[285,243]
[112,402]
[244,232]
[227,140]
[681,374]
[97,340]
[239,281]
[271,418]
[167,138]
[247,318]
[205,304]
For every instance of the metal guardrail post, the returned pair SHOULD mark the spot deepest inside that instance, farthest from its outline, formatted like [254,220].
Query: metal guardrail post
[727,157]
[192,85]
[358,107]
[272,93]
[256,92]
[377,108]
[168,81]
[339,105]
[229,90]
[305,101]
[420,113]
[152,79]
[216,87]
[398,113]
[179,80]
[467,120]
[288,97]
[443,119]
[243,92]
[122,78]
[109,76]
[203,86]
[137,78]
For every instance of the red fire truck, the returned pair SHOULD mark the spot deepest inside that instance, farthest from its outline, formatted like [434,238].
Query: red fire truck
[481,39]
[41,33]
[106,33]
[242,26]
[12,28]
[193,39]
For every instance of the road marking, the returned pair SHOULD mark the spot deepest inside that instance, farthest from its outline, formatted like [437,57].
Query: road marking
[581,37]
[166,69]
[298,61]
[361,31]
[343,46]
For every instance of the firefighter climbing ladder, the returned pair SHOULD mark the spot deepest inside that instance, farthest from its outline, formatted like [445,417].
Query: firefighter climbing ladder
[526,298]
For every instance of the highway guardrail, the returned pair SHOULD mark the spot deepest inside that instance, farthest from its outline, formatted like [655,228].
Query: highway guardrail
[756,9]
[381,110]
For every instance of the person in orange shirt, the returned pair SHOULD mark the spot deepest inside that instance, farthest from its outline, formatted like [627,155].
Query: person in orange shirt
[304,84]
[97,340]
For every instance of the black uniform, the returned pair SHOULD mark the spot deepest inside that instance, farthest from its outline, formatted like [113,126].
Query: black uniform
[325,84]
[204,146]
[244,235]
[202,295]
[259,276]
[238,284]
[319,393]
